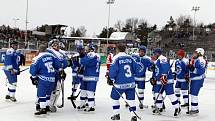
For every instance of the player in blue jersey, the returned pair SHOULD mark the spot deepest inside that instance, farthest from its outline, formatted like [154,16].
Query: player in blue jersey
[197,69]
[181,71]
[54,49]
[43,71]
[145,63]
[91,67]
[122,73]
[77,76]
[164,78]
[11,70]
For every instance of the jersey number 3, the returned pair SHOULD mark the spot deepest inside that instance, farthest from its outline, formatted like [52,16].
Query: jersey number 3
[127,71]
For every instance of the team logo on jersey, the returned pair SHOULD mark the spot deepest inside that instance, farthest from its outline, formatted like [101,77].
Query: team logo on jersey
[178,69]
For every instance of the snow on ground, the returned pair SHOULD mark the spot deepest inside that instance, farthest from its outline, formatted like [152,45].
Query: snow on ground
[24,109]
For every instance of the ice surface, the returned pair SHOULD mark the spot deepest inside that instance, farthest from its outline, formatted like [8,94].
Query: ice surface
[26,95]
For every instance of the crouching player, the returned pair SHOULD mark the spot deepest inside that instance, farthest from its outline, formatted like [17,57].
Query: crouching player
[42,73]
[122,72]
[197,75]
[164,78]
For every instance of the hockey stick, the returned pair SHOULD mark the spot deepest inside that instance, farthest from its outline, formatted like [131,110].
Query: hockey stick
[161,89]
[144,106]
[126,102]
[19,72]
[72,100]
[188,107]
[23,70]
[62,89]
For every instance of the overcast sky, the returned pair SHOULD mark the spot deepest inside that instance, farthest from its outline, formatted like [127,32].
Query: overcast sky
[93,13]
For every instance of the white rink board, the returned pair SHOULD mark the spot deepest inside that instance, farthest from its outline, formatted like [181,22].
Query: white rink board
[24,109]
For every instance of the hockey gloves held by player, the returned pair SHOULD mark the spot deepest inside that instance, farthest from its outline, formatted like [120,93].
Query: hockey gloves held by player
[174,75]
[191,65]
[163,79]
[80,70]
[153,81]
[152,68]
[34,80]
[62,74]
[109,81]
[187,78]
[16,72]
[70,63]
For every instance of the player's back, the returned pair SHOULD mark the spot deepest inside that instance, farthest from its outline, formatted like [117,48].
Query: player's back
[122,69]
[44,66]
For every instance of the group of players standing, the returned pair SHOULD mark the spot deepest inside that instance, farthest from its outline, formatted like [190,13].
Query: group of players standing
[124,73]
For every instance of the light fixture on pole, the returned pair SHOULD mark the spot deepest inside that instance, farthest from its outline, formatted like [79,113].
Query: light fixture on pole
[26,27]
[15,22]
[195,9]
[109,2]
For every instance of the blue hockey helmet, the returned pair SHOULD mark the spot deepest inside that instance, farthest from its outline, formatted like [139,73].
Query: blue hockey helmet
[157,51]
[79,48]
[142,47]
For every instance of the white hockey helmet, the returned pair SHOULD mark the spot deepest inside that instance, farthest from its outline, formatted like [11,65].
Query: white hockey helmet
[200,51]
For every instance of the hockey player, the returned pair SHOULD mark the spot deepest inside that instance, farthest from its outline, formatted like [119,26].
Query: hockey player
[91,66]
[145,63]
[181,71]
[42,73]
[76,75]
[54,48]
[122,72]
[109,61]
[197,68]
[11,70]
[164,78]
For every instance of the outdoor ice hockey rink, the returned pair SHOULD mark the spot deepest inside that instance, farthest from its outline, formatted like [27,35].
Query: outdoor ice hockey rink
[24,108]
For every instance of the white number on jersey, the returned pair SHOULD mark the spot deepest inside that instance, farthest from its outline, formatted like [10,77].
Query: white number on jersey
[49,67]
[127,71]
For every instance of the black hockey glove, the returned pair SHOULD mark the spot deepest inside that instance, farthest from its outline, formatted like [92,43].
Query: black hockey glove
[109,81]
[152,68]
[62,75]
[80,70]
[18,71]
[153,81]
[70,63]
[174,75]
[192,68]
[34,80]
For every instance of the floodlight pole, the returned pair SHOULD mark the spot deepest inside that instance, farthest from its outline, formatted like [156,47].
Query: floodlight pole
[195,9]
[109,2]
[26,27]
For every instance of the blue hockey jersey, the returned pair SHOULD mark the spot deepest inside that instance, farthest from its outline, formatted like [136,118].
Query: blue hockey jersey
[60,56]
[199,71]
[75,64]
[123,70]
[91,63]
[44,66]
[11,60]
[163,68]
[145,62]
[181,69]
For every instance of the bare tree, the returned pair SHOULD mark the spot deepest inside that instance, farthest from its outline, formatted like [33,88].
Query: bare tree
[180,21]
[119,25]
